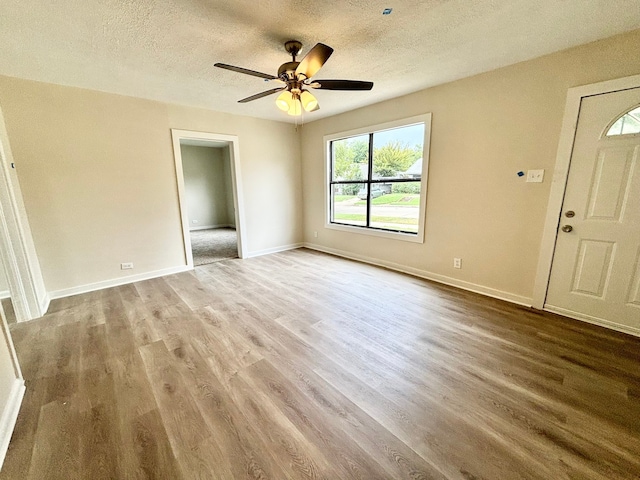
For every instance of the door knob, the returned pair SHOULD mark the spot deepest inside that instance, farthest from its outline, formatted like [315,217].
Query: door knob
[567,228]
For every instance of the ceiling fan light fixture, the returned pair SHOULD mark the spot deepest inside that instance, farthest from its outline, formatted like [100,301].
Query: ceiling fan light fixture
[295,109]
[309,102]
[284,101]
[295,79]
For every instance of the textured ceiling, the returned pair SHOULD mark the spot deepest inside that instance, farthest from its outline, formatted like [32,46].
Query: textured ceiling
[166,50]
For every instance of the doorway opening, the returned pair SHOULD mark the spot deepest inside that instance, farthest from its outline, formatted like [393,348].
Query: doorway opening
[209,199]
[5,297]
[209,192]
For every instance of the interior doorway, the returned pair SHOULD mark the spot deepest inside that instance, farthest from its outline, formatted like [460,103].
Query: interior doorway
[20,266]
[210,196]
[5,297]
[209,202]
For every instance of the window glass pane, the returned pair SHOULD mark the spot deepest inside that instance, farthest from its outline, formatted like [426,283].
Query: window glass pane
[397,153]
[346,207]
[631,123]
[397,210]
[349,158]
[627,124]
[616,128]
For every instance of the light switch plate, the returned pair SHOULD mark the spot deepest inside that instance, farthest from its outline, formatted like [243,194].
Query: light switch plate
[535,176]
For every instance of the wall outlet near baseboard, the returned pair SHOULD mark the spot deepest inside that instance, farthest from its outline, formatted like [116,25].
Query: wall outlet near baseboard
[457,263]
[126,266]
[315,234]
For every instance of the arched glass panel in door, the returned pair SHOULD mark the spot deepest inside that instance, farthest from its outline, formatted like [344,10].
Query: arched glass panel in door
[626,124]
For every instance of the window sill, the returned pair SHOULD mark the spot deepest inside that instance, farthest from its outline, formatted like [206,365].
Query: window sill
[405,237]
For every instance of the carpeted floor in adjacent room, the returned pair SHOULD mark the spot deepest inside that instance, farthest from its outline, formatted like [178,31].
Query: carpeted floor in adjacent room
[213,245]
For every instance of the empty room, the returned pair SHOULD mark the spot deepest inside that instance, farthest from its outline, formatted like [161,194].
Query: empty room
[320,240]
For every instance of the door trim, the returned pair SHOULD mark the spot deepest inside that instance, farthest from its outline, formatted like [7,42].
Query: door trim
[216,140]
[560,177]
[17,251]
[16,394]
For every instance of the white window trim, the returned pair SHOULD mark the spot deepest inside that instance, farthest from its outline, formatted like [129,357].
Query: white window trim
[405,122]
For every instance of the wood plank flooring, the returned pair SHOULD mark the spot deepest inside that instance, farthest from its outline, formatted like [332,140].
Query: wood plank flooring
[301,365]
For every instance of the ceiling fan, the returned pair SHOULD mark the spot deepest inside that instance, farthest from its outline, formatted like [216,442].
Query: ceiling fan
[296,77]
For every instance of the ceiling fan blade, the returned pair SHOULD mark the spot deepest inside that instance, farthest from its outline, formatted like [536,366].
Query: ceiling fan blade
[263,94]
[341,85]
[245,71]
[313,61]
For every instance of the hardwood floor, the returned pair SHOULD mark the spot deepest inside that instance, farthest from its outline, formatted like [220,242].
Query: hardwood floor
[306,366]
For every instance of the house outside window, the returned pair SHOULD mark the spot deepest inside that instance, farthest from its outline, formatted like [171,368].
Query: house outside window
[377,179]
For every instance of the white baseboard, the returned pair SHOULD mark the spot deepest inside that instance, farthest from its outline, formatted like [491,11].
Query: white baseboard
[4,294]
[267,251]
[91,287]
[594,320]
[10,415]
[454,282]
[207,227]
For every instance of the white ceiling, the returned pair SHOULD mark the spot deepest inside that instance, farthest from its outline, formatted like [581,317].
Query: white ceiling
[165,50]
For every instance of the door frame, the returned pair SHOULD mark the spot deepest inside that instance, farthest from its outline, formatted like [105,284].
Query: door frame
[561,175]
[17,251]
[16,392]
[214,140]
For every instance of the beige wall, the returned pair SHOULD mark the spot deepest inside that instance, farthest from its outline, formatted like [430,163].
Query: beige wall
[99,185]
[207,184]
[485,129]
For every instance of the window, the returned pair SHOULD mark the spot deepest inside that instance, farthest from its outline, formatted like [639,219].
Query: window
[627,124]
[376,183]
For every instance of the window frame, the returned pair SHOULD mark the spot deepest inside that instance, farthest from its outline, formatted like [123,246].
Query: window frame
[417,237]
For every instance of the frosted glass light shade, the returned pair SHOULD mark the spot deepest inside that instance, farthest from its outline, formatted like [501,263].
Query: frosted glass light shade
[309,102]
[296,108]
[284,101]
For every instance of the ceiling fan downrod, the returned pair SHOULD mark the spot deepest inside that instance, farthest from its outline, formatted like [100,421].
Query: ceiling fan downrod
[293,47]
[287,71]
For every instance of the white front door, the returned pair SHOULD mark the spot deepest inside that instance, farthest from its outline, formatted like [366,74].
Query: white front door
[596,265]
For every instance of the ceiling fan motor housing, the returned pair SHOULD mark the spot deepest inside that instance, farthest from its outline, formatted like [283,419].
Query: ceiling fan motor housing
[288,69]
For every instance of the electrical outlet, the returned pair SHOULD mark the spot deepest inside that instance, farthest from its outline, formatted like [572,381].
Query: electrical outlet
[535,176]
[315,234]
[194,221]
[457,263]
[126,266]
